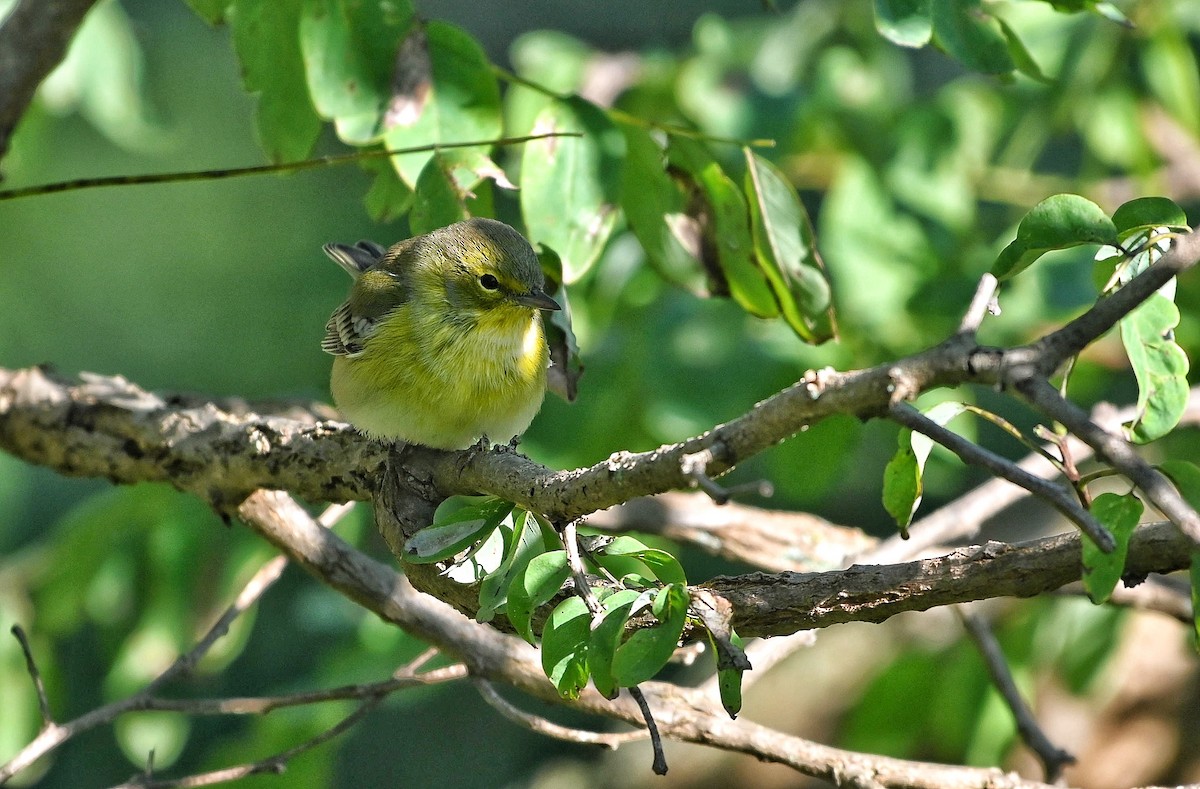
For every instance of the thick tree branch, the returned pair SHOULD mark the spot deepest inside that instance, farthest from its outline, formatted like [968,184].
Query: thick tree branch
[33,39]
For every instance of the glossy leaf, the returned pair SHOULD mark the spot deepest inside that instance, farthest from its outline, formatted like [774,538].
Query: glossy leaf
[462,105]
[658,212]
[535,585]
[664,566]
[458,522]
[349,50]
[1146,213]
[266,37]
[1101,571]
[570,186]
[725,226]
[646,651]
[971,36]
[564,647]
[904,22]
[523,541]
[1159,364]
[902,477]
[606,636]
[438,200]
[784,244]
[1057,222]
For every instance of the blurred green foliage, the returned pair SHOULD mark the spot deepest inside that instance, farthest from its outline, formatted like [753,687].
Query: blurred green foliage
[914,167]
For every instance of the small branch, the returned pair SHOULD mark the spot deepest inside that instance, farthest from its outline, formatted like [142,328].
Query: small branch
[38,686]
[660,758]
[975,455]
[539,725]
[583,588]
[982,304]
[1116,451]
[1053,758]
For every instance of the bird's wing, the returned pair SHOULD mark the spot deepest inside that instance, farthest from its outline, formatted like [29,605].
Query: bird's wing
[355,259]
[345,333]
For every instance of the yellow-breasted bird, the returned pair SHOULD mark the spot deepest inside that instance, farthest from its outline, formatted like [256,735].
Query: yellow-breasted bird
[441,340]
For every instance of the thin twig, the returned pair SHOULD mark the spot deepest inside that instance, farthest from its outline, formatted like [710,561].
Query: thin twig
[983,303]
[39,687]
[1053,758]
[975,455]
[583,588]
[540,725]
[1116,451]
[660,758]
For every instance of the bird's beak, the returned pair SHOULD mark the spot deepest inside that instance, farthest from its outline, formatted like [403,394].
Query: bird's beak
[536,299]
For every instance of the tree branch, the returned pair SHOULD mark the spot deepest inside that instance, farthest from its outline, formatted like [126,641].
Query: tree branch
[33,40]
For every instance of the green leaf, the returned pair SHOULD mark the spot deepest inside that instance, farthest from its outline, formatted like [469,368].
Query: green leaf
[606,636]
[388,198]
[1101,571]
[523,541]
[1186,477]
[904,22]
[461,103]
[211,11]
[536,584]
[564,647]
[1159,364]
[570,186]
[784,244]
[649,649]
[664,566]
[1021,56]
[729,678]
[438,200]
[725,224]
[1194,575]
[970,35]
[1058,222]
[349,49]
[266,37]
[1147,213]
[902,477]
[658,211]
[458,522]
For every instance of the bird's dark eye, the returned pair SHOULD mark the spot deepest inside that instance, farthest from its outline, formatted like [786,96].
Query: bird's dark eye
[489,282]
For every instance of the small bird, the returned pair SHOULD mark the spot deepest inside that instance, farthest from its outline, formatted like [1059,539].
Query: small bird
[441,341]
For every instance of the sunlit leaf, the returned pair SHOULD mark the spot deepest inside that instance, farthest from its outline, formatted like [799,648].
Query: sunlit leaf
[903,486]
[266,36]
[663,565]
[1058,222]
[1101,571]
[970,35]
[536,584]
[523,541]
[904,22]
[646,651]
[565,646]
[1159,364]
[606,636]
[438,200]
[456,525]
[570,186]
[463,103]
[783,241]
[1145,213]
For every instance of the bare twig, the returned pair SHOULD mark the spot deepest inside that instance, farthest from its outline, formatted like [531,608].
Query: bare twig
[1116,451]
[540,725]
[39,687]
[1053,758]
[583,588]
[660,758]
[972,453]
[983,303]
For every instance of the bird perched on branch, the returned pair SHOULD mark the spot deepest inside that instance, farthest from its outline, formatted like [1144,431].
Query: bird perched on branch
[441,340]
